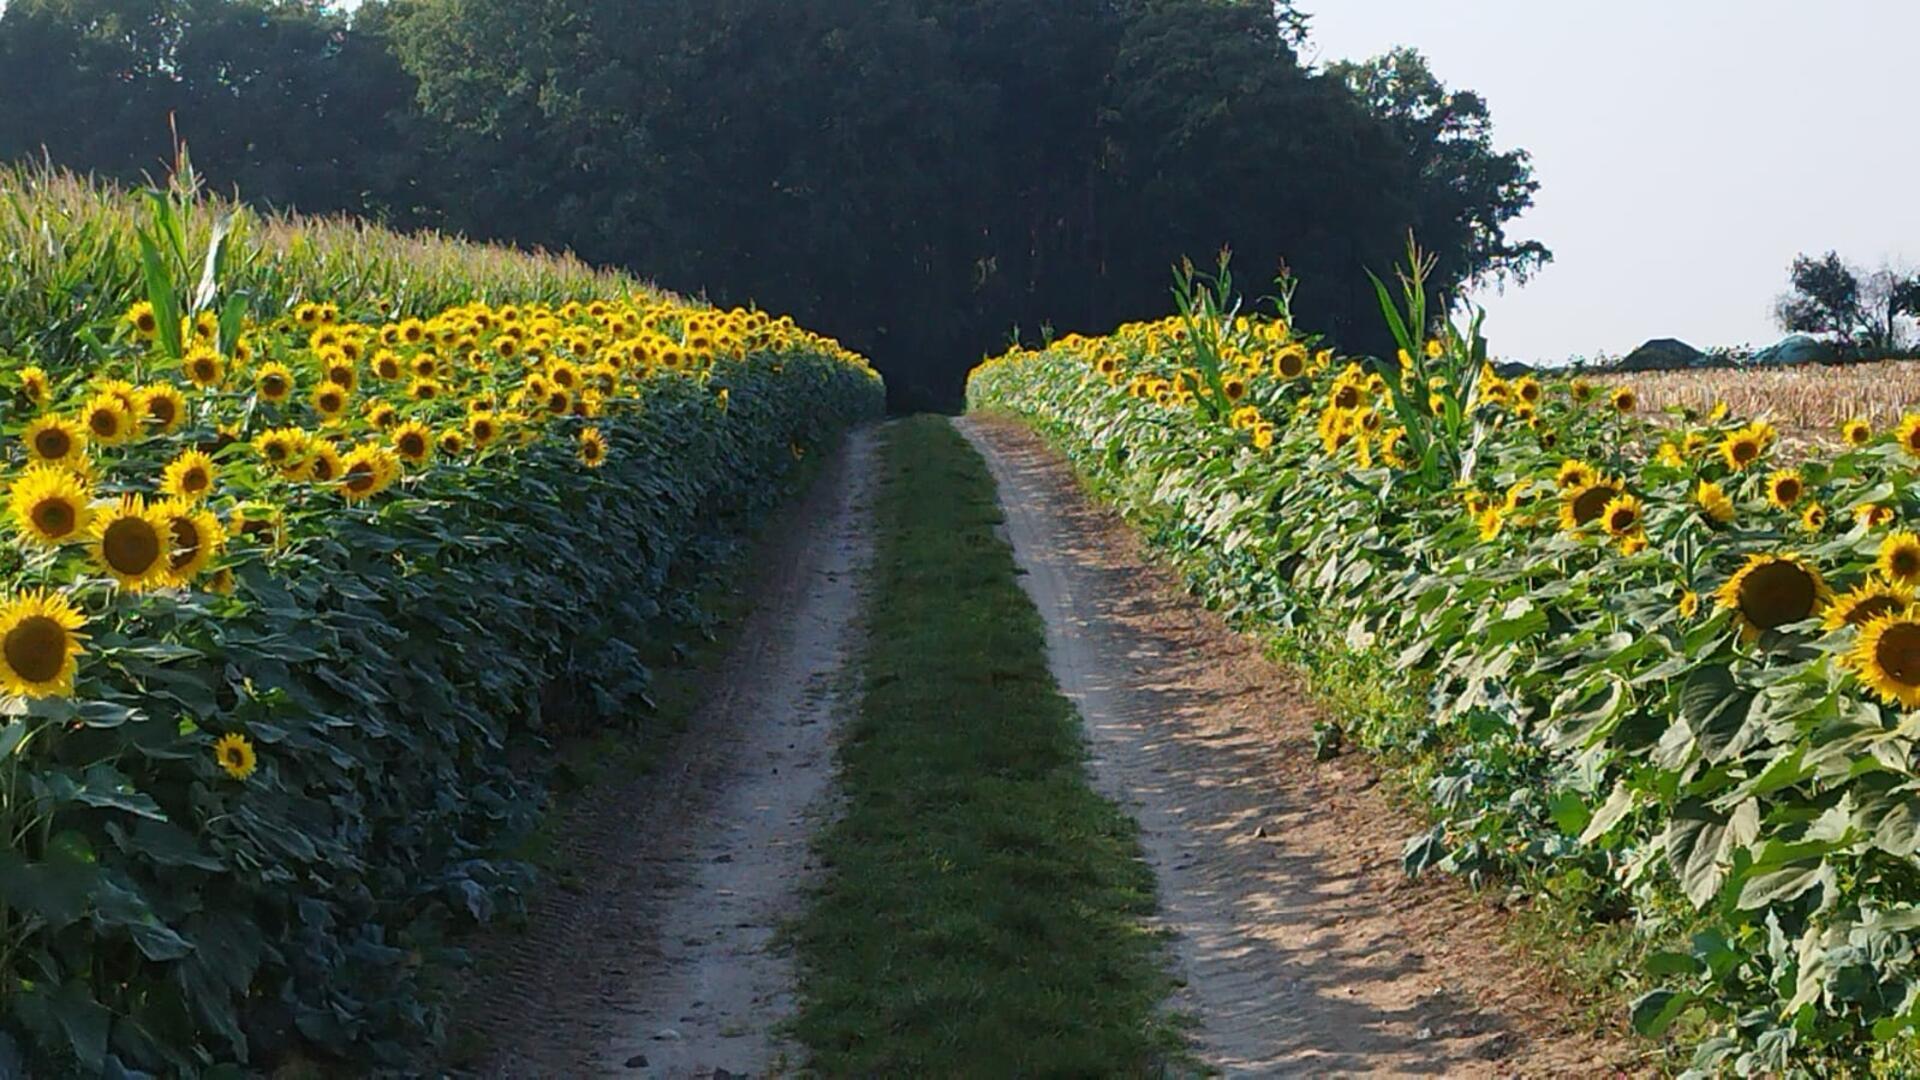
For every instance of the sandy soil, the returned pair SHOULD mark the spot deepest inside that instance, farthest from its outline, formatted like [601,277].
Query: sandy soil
[1304,948]
[662,964]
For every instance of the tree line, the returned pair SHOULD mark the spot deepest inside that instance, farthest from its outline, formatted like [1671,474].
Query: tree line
[922,178]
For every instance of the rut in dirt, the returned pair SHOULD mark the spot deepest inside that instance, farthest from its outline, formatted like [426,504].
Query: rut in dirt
[1303,948]
[663,963]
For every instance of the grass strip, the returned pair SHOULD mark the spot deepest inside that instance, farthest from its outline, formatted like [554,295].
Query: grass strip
[982,909]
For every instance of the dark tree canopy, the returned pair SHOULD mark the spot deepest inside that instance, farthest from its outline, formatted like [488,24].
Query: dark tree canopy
[1864,309]
[915,176]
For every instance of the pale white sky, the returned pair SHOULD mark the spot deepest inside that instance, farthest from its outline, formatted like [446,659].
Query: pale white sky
[1686,149]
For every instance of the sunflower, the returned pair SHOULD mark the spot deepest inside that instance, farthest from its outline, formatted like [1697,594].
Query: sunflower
[189,476]
[55,441]
[423,389]
[382,415]
[323,462]
[1490,520]
[413,441]
[1772,591]
[1575,474]
[144,322]
[195,537]
[483,429]
[1291,362]
[1233,386]
[284,449]
[593,448]
[1689,604]
[329,400]
[1714,502]
[1900,558]
[1873,515]
[235,755]
[1887,656]
[1585,504]
[108,420]
[274,382]
[1743,447]
[453,442]
[386,365]
[258,521]
[130,543]
[559,403]
[341,373]
[1621,516]
[204,367]
[1866,602]
[162,407]
[34,384]
[1263,433]
[50,505]
[39,643]
[1909,433]
[1784,488]
[1624,400]
[1814,518]
[1856,432]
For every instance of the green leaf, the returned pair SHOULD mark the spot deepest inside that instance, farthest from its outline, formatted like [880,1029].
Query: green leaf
[166,303]
[1656,1010]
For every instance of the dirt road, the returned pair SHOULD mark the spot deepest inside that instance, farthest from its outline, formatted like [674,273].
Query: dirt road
[1304,949]
[661,965]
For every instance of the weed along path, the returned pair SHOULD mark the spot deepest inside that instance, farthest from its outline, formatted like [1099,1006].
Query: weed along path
[1303,948]
[661,962]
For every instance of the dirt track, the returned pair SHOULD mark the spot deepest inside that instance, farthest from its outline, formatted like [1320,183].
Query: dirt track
[1304,949]
[662,964]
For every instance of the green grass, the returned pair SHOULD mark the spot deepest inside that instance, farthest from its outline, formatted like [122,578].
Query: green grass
[982,910]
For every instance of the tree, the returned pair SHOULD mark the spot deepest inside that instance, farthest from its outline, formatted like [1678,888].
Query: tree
[1829,296]
[1464,191]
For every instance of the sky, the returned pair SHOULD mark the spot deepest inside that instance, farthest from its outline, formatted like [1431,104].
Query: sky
[1686,150]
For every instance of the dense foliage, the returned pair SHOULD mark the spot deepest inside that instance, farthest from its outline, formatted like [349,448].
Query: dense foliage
[302,576]
[1671,671]
[964,166]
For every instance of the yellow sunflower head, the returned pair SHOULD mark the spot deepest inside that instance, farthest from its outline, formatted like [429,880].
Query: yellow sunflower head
[329,400]
[50,505]
[235,756]
[1873,515]
[323,462]
[144,323]
[107,420]
[204,367]
[39,644]
[273,382]
[163,408]
[1814,518]
[592,448]
[131,543]
[1740,449]
[1887,657]
[483,428]
[1856,432]
[1784,488]
[283,449]
[1866,602]
[1579,506]
[1575,474]
[1900,558]
[1714,502]
[1909,433]
[1624,400]
[258,521]
[1772,591]
[453,441]
[190,476]
[194,536]
[55,441]
[1621,516]
[413,441]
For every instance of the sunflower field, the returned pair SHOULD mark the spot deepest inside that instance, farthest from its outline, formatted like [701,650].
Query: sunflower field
[1663,667]
[317,536]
